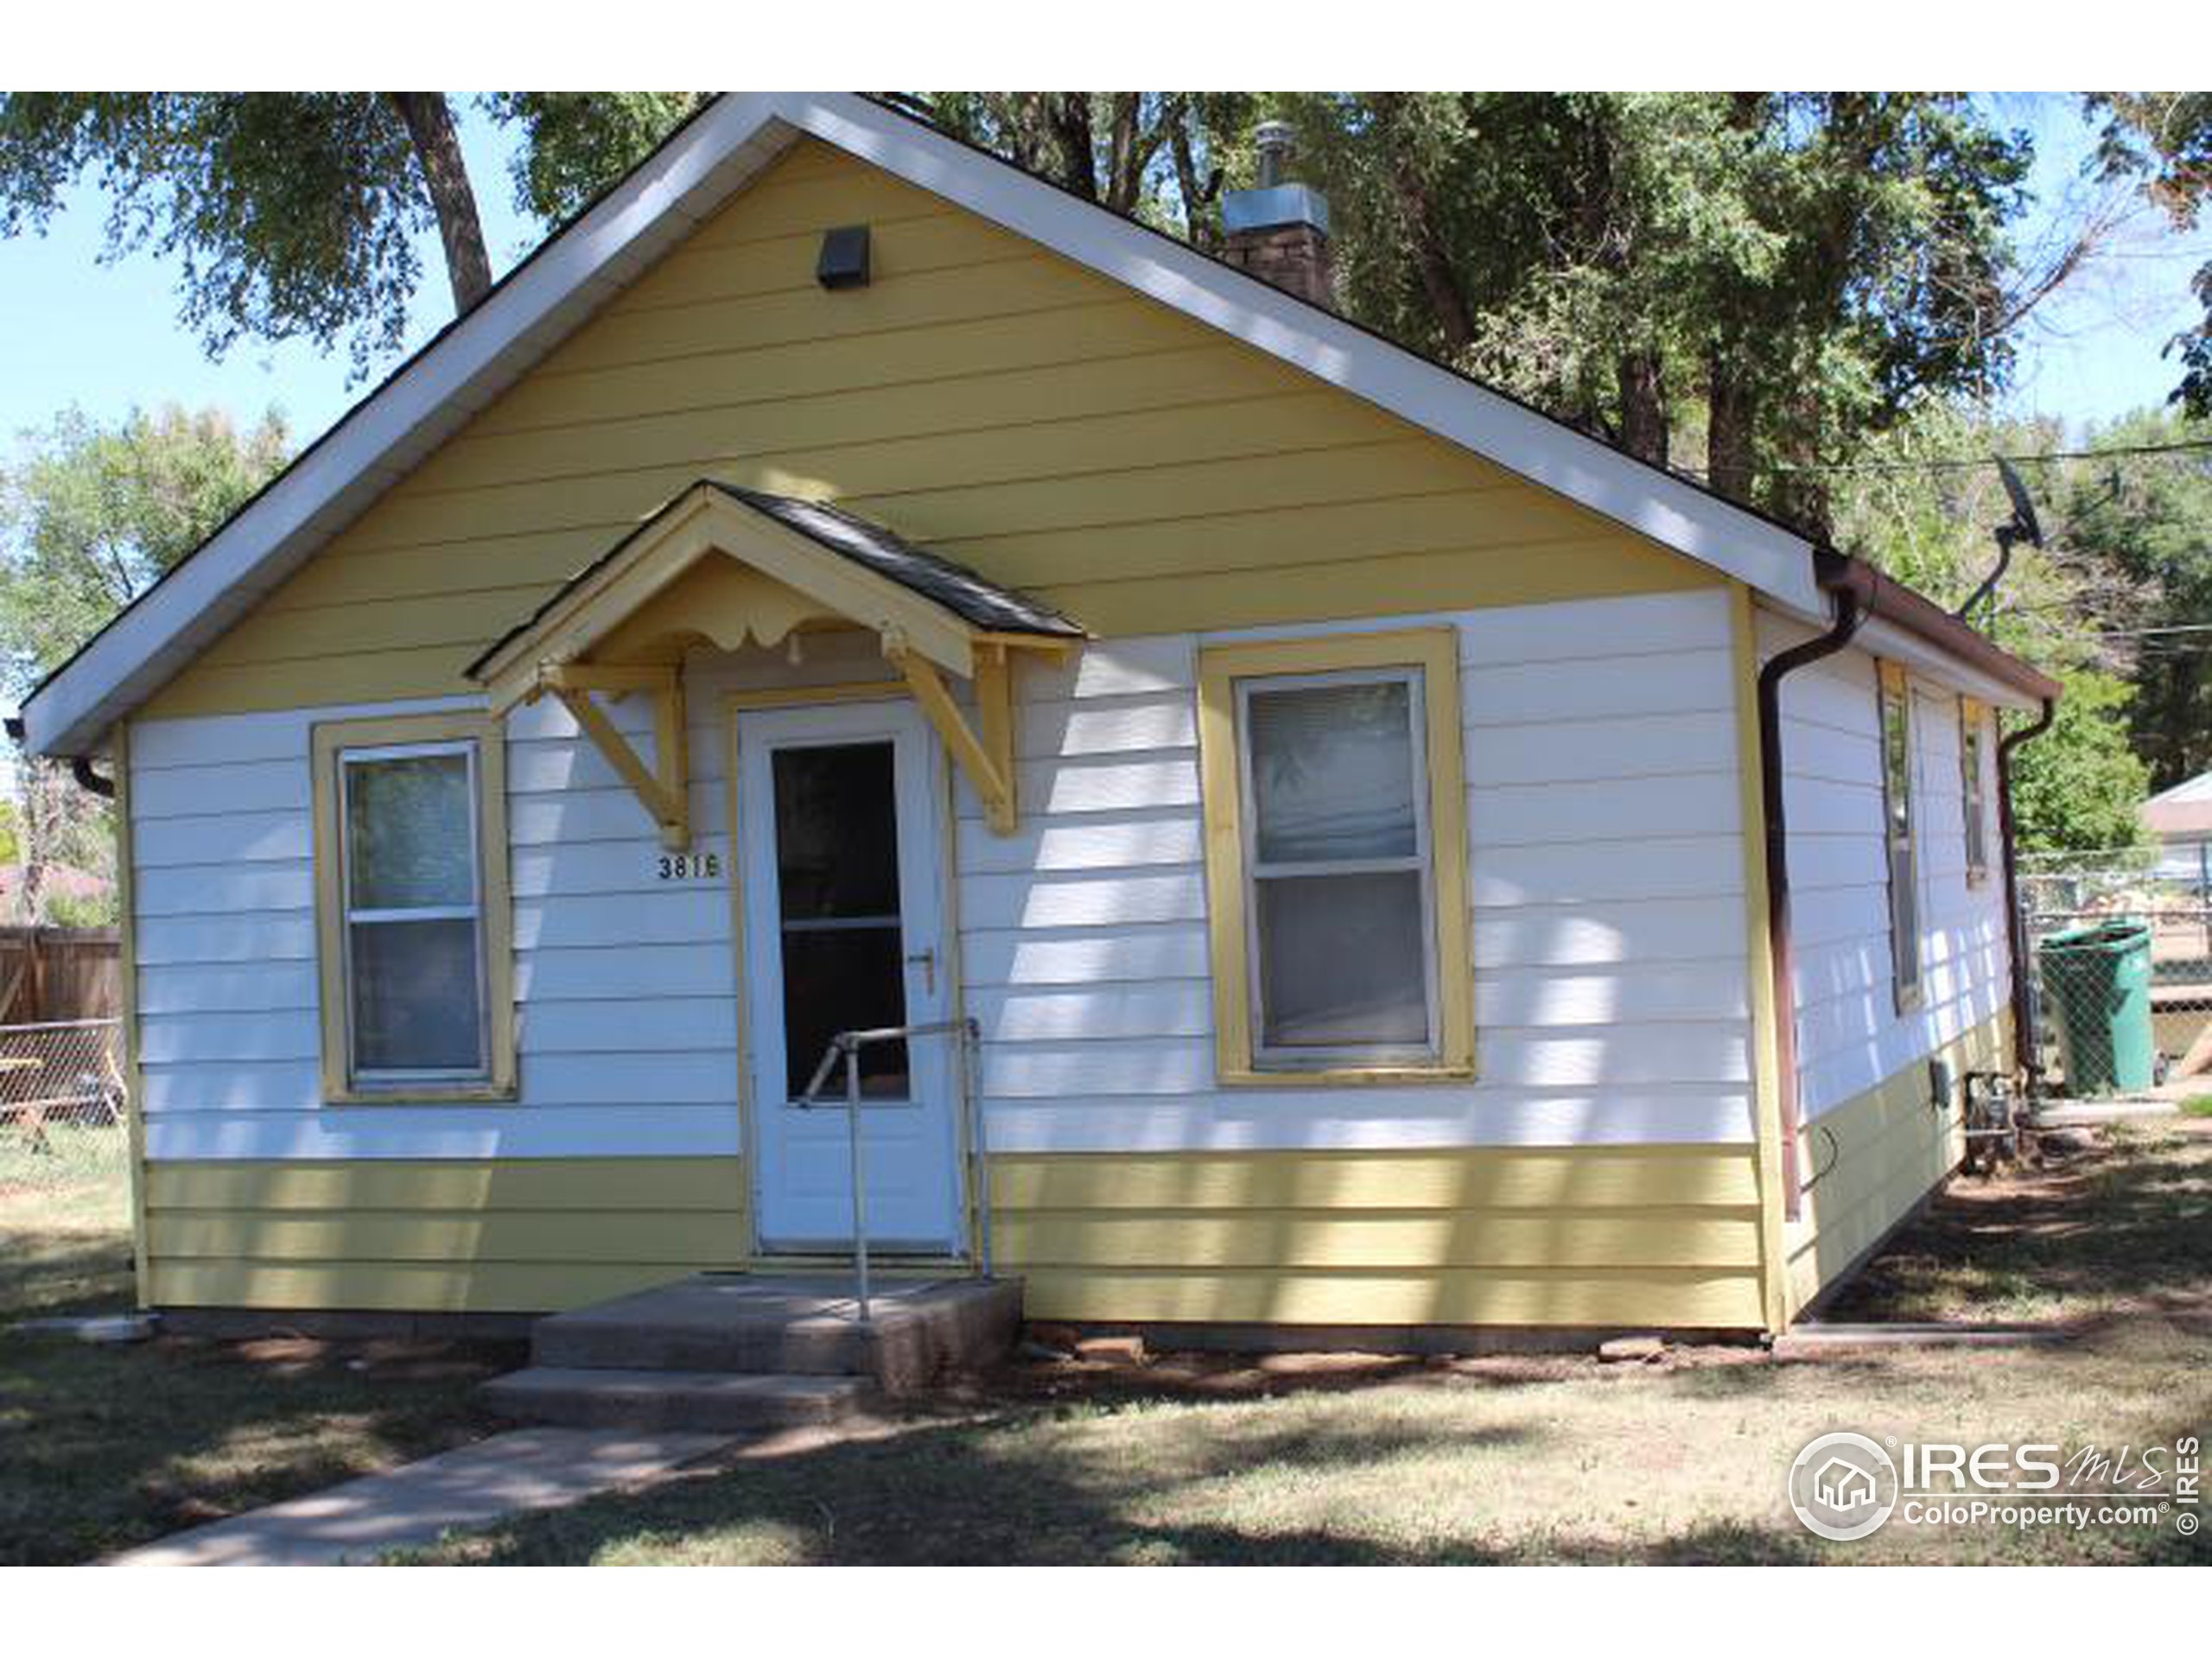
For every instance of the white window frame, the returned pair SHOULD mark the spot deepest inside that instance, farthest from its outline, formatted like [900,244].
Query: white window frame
[403,1077]
[1306,1057]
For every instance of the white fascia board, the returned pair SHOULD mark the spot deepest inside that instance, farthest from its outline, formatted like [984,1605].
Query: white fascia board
[1645,499]
[1886,640]
[395,429]
[387,434]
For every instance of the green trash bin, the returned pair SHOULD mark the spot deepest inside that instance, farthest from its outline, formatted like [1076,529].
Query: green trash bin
[2099,980]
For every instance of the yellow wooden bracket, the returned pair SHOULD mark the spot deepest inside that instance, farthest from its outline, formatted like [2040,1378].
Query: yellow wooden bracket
[988,759]
[664,788]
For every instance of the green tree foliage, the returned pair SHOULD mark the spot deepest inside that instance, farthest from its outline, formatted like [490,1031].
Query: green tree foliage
[575,144]
[2065,605]
[298,215]
[290,213]
[90,516]
[2164,140]
[1162,157]
[2079,787]
[1749,284]
[2148,518]
[1752,284]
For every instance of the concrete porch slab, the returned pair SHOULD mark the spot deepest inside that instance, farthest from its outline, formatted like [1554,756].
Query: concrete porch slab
[804,1325]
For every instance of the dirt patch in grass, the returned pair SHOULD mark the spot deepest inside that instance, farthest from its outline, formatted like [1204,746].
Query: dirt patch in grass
[2120,1230]
[105,1448]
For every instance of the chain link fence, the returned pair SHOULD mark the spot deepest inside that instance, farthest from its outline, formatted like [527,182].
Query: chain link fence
[2119,961]
[62,1106]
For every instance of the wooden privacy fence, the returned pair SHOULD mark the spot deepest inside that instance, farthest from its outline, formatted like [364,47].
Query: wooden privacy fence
[60,973]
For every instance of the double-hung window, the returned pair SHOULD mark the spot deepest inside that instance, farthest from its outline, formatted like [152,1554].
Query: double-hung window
[1974,722]
[1337,847]
[1901,853]
[411,849]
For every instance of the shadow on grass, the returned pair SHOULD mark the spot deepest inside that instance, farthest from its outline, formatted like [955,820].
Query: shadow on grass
[2129,1224]
[1011,1491]
[103,1447]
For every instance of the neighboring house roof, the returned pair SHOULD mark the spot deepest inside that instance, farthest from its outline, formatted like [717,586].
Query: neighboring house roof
[2183,812]
[702,165]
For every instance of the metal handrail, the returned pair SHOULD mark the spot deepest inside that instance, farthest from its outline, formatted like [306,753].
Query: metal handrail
[849,1044]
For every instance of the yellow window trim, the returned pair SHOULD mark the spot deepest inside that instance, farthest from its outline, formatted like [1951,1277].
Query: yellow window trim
[1974,723]
[1434,652]
[328,739]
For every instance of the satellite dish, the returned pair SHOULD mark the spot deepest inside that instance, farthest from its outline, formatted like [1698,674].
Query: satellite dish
[2023,526]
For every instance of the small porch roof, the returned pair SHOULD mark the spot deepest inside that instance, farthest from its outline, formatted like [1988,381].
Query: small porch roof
[784,565]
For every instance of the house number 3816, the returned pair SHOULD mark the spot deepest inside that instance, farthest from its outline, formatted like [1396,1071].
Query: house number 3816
[690,867]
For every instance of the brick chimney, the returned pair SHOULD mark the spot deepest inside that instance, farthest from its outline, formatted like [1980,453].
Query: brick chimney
[1279,232]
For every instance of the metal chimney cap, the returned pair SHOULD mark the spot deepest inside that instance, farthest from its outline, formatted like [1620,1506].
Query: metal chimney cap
[1274,140]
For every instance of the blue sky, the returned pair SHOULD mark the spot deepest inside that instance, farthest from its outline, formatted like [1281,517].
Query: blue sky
[107,337]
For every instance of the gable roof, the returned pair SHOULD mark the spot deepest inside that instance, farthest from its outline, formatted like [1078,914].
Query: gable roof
[711,515]
[700,167]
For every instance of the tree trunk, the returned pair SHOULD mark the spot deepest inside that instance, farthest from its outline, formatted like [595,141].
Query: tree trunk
[429,119]
[1732,412]
[1198,194]
[1069,117]
[1643,406]
[1447,302]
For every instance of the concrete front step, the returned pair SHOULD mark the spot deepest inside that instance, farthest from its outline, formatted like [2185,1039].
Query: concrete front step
[919,1331]
[654,1399]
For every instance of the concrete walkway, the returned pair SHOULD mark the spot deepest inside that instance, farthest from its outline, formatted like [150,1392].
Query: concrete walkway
[525,1468]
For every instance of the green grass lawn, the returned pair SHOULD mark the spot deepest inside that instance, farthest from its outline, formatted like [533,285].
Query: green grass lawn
[104,1447]
[1513,1460]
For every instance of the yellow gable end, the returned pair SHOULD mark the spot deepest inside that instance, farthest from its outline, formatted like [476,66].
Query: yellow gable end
[983,397]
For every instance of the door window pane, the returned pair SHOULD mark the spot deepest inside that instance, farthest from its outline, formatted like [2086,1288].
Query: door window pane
[844,979]
[1332,772]
[837,900]
[415,996]
[1341,961]
[409,840]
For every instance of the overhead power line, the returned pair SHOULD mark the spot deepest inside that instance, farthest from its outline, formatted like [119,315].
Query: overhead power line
[1951,463]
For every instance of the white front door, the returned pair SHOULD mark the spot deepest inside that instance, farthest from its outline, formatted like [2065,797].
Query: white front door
[843,872]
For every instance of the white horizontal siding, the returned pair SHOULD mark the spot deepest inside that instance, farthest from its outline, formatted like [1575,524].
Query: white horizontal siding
[1334,1119]
[1850,1034]
[1607,887]
[539,1131]
[627,1019]
[1607,898]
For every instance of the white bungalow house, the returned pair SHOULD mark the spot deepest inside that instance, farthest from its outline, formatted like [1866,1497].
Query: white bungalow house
[1412,867]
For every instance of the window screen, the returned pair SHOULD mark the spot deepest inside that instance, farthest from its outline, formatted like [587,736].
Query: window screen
[413,913]
[1342,953]
[1902,857]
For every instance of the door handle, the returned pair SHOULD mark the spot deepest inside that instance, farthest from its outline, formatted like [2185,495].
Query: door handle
[926,960]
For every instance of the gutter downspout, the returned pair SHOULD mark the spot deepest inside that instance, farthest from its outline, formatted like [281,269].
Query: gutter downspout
[2025,1057]
[1847,583]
